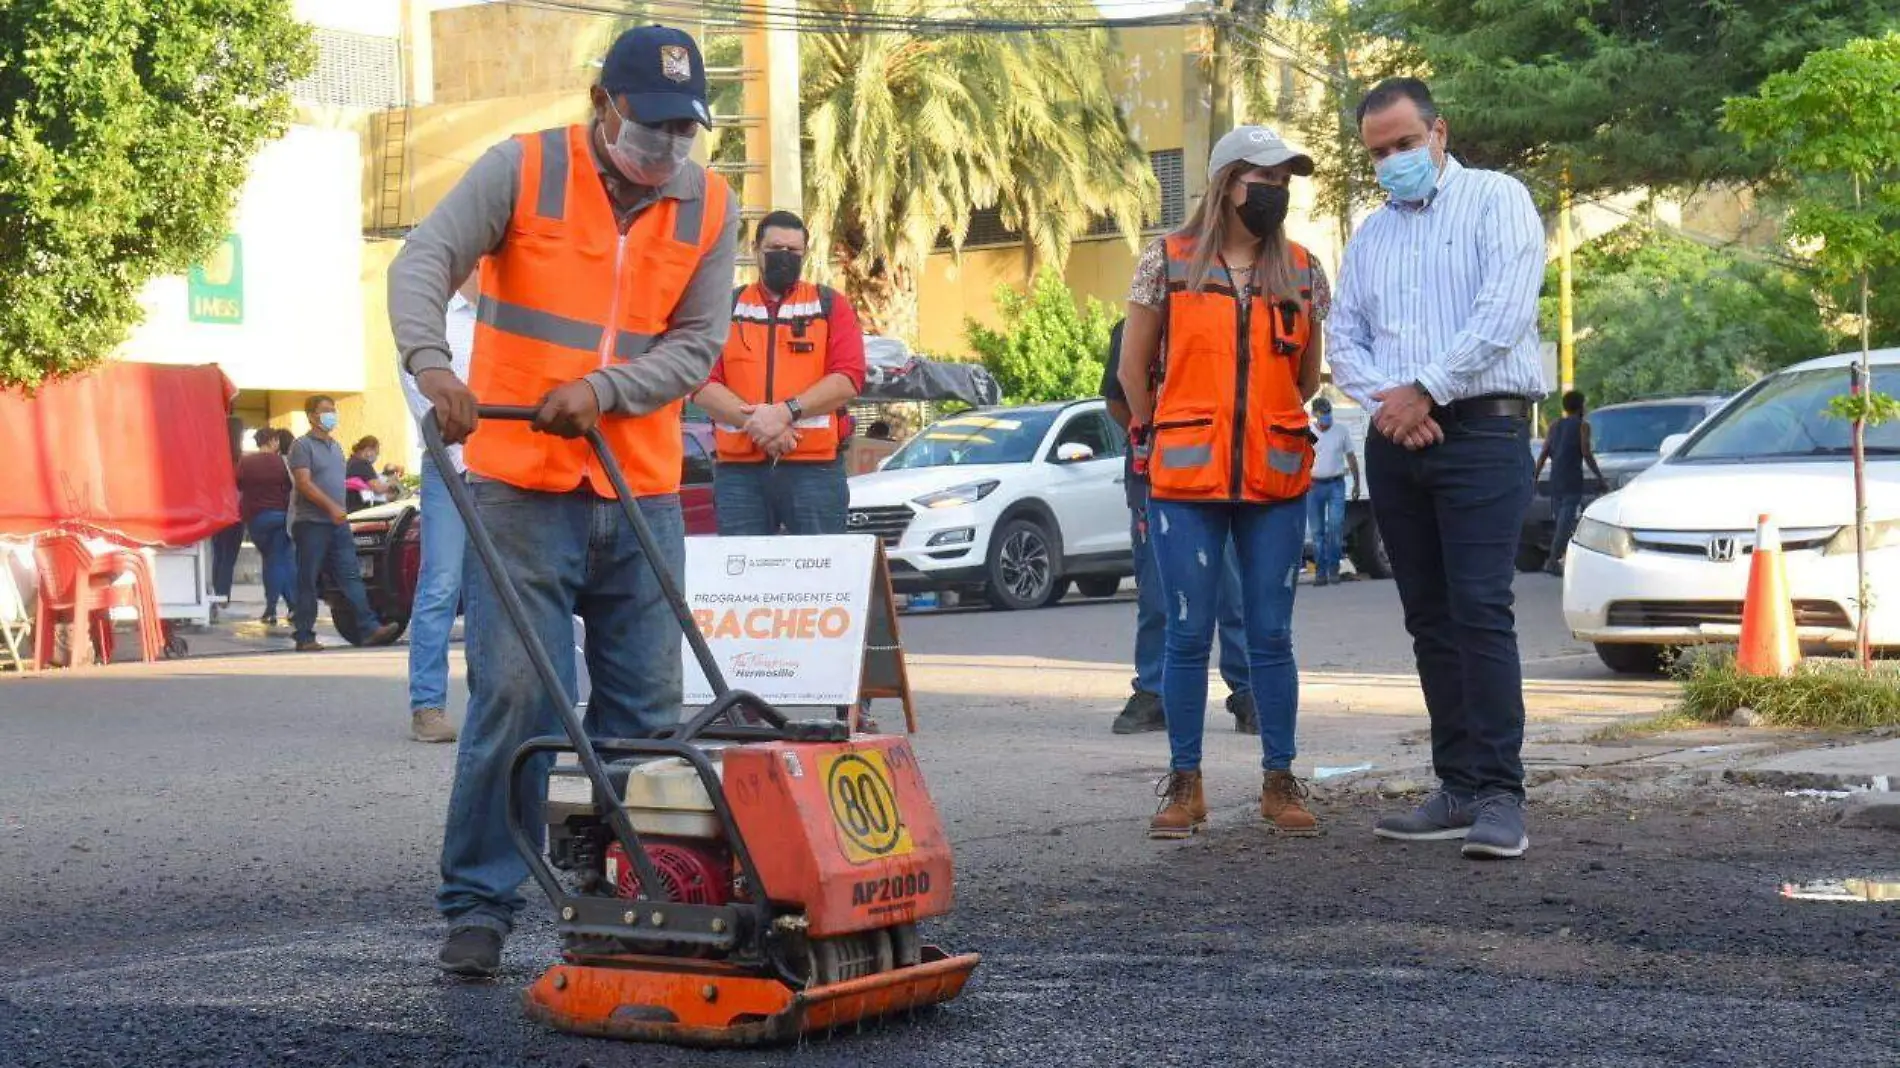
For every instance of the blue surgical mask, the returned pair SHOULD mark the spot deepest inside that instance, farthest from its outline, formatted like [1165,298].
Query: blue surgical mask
[1411,175]
[327,421]
[1325,422]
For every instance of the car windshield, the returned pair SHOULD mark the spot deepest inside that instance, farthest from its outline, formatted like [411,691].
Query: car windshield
[1786,417]
[1004,437]
[1641,428]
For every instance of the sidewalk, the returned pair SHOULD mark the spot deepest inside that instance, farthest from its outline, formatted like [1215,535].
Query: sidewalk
[237,631]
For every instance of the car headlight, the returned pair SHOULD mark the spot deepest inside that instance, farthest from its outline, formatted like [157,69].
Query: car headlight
[957,496]
[1600,537]
[1884,534]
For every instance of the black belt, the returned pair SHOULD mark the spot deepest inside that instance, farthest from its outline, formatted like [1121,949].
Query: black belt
[1335,478]
[1491,406]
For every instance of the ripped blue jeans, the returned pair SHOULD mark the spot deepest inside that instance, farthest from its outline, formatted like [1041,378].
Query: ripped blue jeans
[1269,540]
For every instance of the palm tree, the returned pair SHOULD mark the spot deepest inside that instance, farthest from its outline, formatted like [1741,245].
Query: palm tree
[908,134]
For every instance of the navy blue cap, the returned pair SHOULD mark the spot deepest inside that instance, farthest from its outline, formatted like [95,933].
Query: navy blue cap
[660,72]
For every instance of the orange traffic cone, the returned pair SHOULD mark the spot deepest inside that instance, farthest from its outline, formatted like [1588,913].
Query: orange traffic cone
[1769,644]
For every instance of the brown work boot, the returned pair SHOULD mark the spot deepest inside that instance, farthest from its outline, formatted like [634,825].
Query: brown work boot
[431,725]
[1283,805]
[1183,810]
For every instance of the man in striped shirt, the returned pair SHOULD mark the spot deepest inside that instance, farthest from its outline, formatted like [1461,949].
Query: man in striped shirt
[1434,331]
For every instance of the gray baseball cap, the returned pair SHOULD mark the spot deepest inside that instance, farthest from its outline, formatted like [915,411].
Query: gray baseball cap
[1259,146]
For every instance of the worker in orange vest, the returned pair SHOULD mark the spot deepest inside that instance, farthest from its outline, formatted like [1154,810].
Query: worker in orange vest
[794,359]
[1221,315]
[606,262]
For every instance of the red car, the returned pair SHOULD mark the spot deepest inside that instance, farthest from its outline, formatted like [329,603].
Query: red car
[389,540]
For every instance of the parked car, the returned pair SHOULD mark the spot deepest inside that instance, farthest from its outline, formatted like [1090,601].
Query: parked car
[389,540]
[1663,562]
[1011,504]
[1627,439]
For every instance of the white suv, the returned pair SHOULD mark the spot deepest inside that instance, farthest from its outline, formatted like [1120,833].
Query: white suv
[1663,562]
[1015,504]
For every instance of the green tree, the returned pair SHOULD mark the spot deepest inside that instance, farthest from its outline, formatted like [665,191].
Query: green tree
[1658,313]
[1048,349]
[1623,94]
[908,135]
[126,130]
[1839,115]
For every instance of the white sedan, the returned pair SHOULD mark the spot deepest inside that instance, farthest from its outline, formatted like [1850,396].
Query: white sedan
[1013,504]
[1663,563]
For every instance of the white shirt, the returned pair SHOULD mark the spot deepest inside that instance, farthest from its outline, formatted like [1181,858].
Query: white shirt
[1331,451]
[460,328]
[1443,293]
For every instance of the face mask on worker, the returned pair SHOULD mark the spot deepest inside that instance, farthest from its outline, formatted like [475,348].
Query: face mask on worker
[1411,175]
[779,269]
[648,155]
[1265,209]
[327,421]
[1326,421]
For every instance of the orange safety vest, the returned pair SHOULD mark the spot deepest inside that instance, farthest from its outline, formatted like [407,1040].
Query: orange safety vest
[566,294]
[1230,423]
[773,355]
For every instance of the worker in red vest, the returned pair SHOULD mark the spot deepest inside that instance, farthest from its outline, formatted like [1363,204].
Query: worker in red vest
[794,359]
[606,262]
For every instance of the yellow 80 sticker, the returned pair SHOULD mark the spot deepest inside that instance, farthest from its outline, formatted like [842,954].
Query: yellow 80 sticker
[864,807]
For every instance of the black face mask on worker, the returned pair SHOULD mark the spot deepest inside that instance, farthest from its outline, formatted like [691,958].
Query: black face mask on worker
[1265,209]
[779,269]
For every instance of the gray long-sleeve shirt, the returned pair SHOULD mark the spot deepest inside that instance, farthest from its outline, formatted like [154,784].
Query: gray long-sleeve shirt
[472,221]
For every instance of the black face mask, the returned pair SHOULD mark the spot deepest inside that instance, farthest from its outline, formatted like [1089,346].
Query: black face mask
[779,269]
[1265,209]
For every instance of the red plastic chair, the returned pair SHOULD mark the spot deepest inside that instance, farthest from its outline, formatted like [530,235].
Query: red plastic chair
[77,583]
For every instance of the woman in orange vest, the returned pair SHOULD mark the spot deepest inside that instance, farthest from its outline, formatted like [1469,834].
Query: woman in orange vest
[1219,356]
[794,359]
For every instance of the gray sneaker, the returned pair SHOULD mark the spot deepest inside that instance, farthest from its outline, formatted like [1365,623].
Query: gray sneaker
[1497,833]
[1444,815]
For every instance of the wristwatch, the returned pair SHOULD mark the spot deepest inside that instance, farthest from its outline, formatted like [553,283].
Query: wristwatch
[795,409]
[1423,392]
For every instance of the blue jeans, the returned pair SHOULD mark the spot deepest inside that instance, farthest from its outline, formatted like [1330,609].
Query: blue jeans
[1451,516]
[1326,521]
[327,547]
[271,535]
[224,553]
[764,499]
[438,593]
[1566,507]
[567,554]
[1151,617]
[1267,540]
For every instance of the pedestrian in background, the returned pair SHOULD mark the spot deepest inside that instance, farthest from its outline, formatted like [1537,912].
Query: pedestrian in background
[1143,712]
[444,545]
[1333,460]
[1435,333]
[365,486]
[1566,449]
[793,360]
[867,452]
[1234,337]
[264,490]
[320,530]
[226,543]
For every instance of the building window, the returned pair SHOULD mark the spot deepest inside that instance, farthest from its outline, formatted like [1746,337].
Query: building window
[354,70]
[986,224]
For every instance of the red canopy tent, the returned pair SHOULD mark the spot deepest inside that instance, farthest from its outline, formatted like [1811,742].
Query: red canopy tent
[136,451]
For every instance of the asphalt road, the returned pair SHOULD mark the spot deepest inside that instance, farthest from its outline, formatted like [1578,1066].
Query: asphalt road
[230,862]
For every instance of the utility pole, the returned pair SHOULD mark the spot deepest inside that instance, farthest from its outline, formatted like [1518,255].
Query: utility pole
[770,177]
[1566,335]
[1220,117]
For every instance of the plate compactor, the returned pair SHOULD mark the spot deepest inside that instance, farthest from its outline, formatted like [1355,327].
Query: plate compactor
[740,879]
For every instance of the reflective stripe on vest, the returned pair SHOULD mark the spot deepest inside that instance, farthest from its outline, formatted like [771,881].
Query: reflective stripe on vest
[565,280]
[1230,423]
[770,358]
